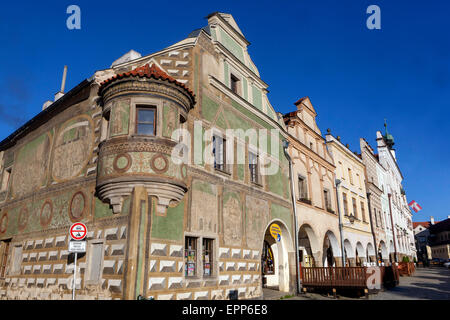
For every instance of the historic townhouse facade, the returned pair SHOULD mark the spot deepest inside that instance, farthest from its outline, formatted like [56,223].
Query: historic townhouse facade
[374,174]
[356,227]
[399,231]
[315,191]
[107,154]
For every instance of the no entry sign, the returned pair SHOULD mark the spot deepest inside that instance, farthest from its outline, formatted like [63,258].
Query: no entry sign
[78,231]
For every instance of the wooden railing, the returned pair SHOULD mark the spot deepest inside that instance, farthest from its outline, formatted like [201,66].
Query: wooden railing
[347,277]
[353,277]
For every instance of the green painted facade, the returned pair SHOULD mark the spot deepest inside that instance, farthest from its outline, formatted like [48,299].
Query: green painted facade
[170,226]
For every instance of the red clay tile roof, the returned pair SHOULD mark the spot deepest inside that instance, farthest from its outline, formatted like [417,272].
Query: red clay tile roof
[425,224]
[149,72]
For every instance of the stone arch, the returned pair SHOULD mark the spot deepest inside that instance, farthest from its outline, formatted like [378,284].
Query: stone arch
[371,256]
[283,277]
[330,251]
[391,251]
[382,249]
[360,254]
[309,245]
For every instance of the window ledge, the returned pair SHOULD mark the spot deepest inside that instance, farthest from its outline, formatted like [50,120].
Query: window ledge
[256,184]
[223,172]
[305,200]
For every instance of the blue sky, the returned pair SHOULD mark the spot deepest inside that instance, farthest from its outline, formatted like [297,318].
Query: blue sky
[355,77]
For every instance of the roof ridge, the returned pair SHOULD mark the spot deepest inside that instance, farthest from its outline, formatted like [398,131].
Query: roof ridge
[147,71]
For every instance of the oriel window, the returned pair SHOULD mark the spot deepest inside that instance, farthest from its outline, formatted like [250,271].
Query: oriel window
[146,120]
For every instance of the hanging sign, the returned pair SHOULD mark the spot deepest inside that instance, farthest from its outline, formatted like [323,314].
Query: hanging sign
[275,231]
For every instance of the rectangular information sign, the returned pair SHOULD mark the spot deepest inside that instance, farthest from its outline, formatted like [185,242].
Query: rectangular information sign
[77,246]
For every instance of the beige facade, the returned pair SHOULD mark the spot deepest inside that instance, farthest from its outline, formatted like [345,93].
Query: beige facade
[374,197]
[314,189]
[357,234]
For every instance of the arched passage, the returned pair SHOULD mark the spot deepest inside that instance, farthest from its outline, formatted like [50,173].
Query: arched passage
[309,247]
[349,254]
[371,257]
[391,251]
[276,257]
[360,257]
[330,250]
[383,252]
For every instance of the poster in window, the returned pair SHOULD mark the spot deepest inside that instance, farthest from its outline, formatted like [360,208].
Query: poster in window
[190,269]
[191,255]
[207,269]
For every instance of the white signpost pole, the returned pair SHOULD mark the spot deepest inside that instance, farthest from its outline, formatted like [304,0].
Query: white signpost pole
[78,232]
[74,282]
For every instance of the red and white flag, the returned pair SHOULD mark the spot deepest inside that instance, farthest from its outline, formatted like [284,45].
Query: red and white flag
[415,206]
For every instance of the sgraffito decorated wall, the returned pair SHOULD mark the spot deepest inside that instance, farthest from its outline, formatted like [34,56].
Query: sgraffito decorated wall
[157,228]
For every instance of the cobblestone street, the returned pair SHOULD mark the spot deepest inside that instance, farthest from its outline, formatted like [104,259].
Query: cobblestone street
[425,284]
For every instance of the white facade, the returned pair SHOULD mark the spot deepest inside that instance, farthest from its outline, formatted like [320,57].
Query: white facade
[399,231]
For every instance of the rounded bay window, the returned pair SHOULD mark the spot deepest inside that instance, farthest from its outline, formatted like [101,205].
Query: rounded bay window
[143,108]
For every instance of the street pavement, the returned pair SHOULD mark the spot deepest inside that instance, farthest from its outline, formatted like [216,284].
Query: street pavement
[425,284]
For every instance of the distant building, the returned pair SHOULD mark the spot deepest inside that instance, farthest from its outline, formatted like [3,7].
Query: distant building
[440,239]
[376,200]
[421,236]
[399,229]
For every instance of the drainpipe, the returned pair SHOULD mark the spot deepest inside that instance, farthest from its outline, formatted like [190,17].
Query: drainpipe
[393,231]
[371,227]
[341,231]
[291,177]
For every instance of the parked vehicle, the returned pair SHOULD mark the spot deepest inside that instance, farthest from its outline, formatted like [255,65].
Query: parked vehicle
[447,263]
[438,261]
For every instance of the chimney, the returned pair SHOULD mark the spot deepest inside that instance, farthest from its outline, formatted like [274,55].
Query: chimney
[60,93]
[431,220]
[46,104]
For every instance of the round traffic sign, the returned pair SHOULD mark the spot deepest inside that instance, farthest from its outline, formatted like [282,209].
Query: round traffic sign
[78,231]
